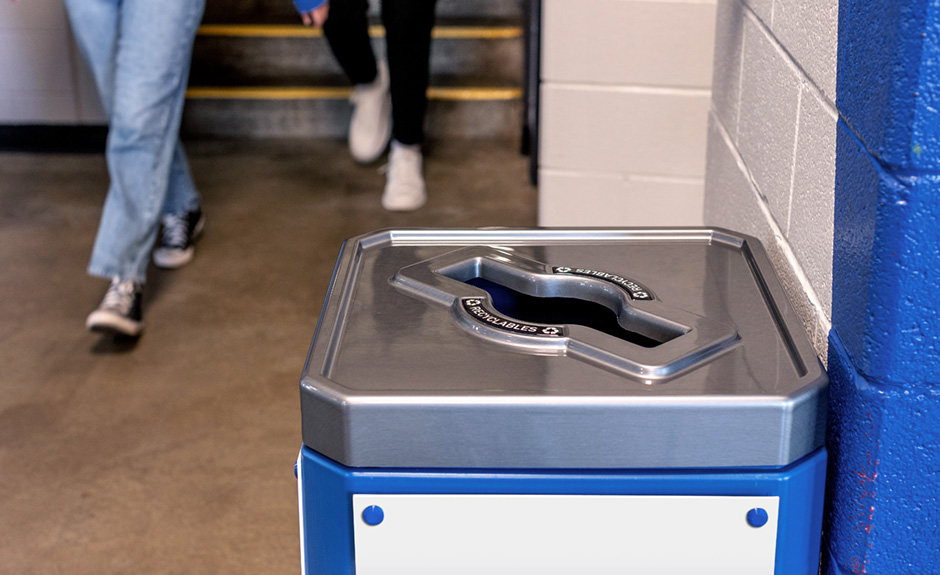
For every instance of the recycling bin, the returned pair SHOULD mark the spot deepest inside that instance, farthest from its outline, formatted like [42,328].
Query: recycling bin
[560,401]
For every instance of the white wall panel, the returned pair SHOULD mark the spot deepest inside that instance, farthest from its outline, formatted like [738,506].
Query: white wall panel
[43,79]
[37,76]
[603,199]
[811,221]
[30,62]
[37,81]
[729,46]
[629,42]
[41,109]
[731,200]
[770,94]
[32,15]
[624,99]
[657,132]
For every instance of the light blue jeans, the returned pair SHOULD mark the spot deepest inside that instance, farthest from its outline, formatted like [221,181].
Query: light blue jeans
[139,53]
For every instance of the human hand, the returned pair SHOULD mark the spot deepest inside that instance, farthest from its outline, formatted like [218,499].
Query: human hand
[315,17]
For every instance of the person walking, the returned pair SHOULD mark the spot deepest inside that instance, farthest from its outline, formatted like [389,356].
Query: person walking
[139,54]
[389,101]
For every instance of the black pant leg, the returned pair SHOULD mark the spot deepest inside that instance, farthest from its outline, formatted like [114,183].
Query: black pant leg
[347,31]
[408,25]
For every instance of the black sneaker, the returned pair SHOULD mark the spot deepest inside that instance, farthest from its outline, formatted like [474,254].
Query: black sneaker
[119,312]
[180,232]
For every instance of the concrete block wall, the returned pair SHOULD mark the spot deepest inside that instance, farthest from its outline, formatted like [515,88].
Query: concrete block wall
[824,142]
[43,79]
[772,141]
[624,105]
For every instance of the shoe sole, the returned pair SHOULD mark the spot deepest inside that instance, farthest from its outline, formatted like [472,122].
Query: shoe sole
[114,325]
[404,207]
[173,259]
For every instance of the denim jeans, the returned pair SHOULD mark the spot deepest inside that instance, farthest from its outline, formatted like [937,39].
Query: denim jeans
[139,53]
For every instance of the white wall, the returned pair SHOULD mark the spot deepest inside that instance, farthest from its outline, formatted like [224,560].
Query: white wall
[624,107]
[42,77]
[772,141]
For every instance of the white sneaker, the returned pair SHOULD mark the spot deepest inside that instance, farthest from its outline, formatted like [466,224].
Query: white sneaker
[404,185]
[371,124]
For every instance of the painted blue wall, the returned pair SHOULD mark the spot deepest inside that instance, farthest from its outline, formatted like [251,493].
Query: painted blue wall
[886,84]
[883,503]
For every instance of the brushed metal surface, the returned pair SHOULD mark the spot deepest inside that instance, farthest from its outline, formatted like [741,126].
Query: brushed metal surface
[401,375]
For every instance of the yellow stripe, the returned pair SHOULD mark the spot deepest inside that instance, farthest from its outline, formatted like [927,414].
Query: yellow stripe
[257,93]
[260,30]
[482,33]
[466,94]
[298,31]
[339,93]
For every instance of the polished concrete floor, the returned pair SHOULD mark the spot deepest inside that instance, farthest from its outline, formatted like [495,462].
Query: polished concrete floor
[175,454]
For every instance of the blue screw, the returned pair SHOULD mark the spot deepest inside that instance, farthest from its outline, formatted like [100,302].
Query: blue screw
[373,515]
[757,517]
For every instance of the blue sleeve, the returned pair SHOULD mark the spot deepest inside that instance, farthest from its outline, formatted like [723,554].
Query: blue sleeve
[307,5]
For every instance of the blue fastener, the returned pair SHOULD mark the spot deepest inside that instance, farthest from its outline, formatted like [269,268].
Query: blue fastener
[373,515]
[757,517]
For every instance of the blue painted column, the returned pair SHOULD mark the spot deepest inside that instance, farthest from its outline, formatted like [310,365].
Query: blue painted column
[883,501]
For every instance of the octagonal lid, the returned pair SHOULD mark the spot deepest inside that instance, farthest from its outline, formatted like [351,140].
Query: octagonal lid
[566,348]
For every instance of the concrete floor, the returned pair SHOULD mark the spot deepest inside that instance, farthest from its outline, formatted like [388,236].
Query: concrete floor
[175,455]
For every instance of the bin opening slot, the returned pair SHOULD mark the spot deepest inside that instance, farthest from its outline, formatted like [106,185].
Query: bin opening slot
[569,310]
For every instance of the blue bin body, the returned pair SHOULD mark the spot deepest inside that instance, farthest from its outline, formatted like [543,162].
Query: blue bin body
[571,387]
[326,489]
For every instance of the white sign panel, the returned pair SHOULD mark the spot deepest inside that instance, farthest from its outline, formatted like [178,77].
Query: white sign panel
[562,535]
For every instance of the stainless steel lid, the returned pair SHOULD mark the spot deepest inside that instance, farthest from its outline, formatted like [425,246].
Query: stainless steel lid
[560,348]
